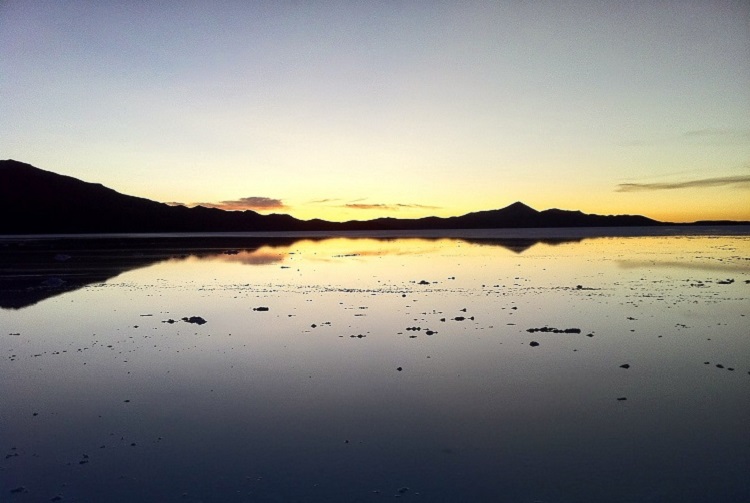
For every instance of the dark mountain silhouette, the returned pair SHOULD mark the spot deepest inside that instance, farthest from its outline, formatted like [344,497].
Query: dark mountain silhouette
[35,201]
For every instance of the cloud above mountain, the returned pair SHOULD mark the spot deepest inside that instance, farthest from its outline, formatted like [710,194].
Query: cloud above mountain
[255,203]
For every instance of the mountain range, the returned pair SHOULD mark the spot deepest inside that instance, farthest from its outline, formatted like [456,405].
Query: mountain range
[36,201]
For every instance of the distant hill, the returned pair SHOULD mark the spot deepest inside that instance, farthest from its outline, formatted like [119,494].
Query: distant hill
[35,201]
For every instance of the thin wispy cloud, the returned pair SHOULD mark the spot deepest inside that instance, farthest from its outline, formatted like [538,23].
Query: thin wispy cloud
[363,206]
[719,133]
[721,181]
[324,201]
[254,203]
[420,206]
[382,206]
[722,136]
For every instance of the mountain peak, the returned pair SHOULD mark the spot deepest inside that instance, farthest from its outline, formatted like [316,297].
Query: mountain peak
[519,206]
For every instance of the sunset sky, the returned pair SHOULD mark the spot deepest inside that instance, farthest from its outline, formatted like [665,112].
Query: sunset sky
[357,110]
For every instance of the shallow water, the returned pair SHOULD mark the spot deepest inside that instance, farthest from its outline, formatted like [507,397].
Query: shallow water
[382,368]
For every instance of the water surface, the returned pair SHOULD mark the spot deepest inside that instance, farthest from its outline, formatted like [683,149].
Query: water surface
[336,368]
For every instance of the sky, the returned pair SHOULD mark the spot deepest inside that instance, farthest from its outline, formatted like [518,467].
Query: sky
[359,110]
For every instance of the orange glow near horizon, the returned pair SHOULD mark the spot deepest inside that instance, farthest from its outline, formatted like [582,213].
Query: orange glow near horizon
[672,209]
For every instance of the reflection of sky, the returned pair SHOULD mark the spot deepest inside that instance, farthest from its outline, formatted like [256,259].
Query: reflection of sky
[263,402]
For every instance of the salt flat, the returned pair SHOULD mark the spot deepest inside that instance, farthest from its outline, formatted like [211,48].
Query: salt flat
[351,368]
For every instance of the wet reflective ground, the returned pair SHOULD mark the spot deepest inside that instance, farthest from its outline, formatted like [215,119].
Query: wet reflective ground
[559,369]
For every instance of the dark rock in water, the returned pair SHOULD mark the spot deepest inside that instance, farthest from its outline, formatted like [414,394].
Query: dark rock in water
[19,490]
[195,319]
[555,330]
[459,318]
[261,308]
[719,366]
[403,490]
[430,332]
[56,498]
[533,344]
[622,399]
[170,321]
[625,366]
[399,369]
[725,282]
[424,282]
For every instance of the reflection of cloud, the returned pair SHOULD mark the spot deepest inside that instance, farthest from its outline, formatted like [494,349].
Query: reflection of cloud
[381,206]
[743,180]
[388,252]
[246,203]
[646,264]
[258,257]
[174,203]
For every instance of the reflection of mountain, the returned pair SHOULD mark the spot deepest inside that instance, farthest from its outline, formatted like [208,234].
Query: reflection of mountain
[34,201]
[37,269]
[32,270]
[520,245]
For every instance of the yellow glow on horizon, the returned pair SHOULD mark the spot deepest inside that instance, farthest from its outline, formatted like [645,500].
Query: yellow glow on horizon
[666,206]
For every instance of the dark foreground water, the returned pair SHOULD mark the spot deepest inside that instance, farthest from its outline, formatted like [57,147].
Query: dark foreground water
[489,368]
